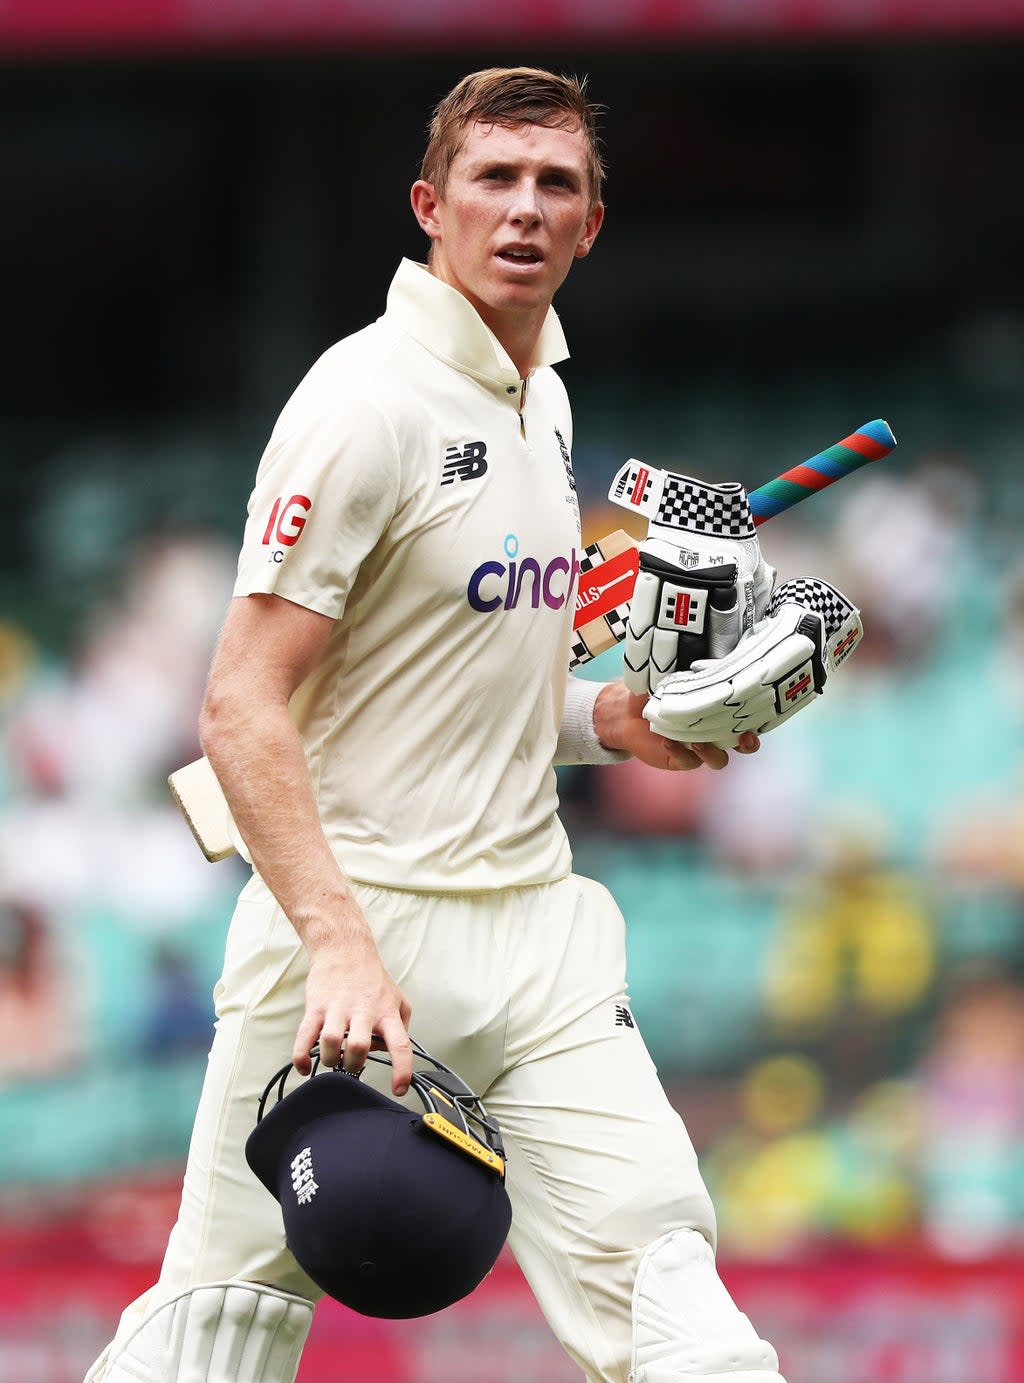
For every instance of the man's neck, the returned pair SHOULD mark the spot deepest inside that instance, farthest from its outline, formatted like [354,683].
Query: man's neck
[518,332]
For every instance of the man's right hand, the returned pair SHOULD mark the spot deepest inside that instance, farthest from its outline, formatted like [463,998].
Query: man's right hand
[353,1004]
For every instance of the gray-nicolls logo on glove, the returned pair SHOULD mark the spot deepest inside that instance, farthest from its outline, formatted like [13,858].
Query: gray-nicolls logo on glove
[702,581]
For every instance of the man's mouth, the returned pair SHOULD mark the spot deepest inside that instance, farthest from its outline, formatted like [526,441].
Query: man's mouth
[515,254]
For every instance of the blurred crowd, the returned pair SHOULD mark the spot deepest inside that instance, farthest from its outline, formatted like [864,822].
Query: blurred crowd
[95,866]
[825,939]
[834,981]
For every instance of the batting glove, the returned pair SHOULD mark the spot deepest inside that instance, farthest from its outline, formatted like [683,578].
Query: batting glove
[702,581]
[775,670]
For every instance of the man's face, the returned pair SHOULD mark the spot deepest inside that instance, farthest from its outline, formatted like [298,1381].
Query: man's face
[515,213]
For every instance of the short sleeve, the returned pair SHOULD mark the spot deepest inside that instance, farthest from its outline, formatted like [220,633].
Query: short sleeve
[326,490]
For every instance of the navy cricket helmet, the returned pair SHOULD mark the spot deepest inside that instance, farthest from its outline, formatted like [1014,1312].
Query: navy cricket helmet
[390,1211]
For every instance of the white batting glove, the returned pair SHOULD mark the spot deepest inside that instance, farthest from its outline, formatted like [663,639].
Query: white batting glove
[702,581]
[775,670]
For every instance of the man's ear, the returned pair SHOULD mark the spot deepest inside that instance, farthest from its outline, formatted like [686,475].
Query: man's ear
[590,228]
[424,204]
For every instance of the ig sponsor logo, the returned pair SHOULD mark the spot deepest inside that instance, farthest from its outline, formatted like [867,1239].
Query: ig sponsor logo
[286,522]
[502,585]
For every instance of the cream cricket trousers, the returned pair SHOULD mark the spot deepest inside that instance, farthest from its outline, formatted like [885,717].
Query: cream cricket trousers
[522,992]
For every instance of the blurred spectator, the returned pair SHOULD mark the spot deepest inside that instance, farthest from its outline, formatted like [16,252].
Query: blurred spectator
[126,712]
[876,1198]
[901,545]
[972,1095]
[179,1015]
[18,662]
[89,744]
[631,799]
[792,1172]
[38,1014]
[855,947]
[754,817]
[769,1173]
[1010,645]
[18,657]
[978,839]
[979,842]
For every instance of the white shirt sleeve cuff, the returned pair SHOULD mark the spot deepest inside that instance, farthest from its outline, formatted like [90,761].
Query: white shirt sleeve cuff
[577,739]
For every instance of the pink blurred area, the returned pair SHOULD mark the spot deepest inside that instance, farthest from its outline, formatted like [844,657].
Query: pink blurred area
[836,1316]
[111,23]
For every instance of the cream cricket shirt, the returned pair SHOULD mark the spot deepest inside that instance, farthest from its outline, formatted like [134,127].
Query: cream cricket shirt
[413,491]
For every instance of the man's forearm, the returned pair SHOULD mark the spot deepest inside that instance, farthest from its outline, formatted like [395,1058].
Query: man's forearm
[257,755]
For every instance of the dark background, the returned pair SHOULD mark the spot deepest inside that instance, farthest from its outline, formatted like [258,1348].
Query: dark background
[179,238]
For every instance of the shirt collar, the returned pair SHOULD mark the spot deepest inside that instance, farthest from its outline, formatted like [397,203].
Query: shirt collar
[449,327]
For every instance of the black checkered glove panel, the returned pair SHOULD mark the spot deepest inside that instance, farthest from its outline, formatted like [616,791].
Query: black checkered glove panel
[721,511]
[839,616]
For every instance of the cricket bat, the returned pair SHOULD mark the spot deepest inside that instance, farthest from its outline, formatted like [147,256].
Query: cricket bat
[608,571]
[198,793]
[606,584]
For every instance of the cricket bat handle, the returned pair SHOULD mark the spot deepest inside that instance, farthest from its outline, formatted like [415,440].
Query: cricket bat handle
[870,442]
[635,487]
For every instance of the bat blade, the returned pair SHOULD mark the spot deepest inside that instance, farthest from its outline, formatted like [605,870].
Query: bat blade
[601,590]
[607,576]
[197,791]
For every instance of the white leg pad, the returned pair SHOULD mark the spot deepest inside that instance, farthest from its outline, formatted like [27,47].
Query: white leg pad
[222,1332]
[686,1326]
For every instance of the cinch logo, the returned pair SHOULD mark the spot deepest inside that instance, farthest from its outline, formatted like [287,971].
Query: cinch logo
[468,464]
[285,523]
[497,584]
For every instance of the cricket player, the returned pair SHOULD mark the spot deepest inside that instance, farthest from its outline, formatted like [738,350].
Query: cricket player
[384,710]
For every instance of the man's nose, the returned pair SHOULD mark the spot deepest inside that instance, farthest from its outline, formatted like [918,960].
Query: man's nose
[525,205]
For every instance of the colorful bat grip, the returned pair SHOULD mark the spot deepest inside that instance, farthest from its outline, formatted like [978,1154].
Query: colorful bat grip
[869,443]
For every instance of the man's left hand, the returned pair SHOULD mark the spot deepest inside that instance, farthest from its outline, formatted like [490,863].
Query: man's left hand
[775,670]
[620,724]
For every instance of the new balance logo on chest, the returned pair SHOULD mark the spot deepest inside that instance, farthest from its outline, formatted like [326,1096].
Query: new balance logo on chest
[468,462]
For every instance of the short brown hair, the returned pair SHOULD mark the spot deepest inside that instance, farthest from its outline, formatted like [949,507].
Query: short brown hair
[511,96]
